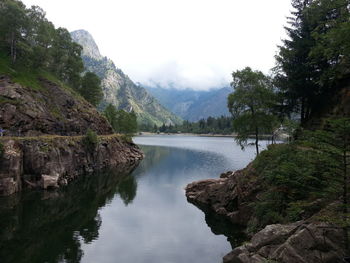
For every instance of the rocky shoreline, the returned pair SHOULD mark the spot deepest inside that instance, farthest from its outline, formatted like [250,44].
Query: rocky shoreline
[53,161]
[231,197]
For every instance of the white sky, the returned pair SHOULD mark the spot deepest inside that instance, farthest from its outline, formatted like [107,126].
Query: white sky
[192,43]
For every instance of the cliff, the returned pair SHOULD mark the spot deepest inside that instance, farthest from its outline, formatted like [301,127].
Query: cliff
[53,161]
[233,197]
[44,146]
[119,89]
[49,108]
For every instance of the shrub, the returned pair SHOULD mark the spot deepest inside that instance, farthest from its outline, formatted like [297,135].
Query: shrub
[90,140]
[294,176]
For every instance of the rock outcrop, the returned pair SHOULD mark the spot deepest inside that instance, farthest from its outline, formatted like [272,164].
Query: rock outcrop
[231,197]
[52,161]
[300,242]
[119,89]
[53,109]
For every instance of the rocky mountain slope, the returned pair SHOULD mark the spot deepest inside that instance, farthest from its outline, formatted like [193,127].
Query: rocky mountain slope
[118,88]
[193,105]
[49,109]
[45,145]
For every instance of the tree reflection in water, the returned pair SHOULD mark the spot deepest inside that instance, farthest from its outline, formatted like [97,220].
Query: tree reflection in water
[49,226]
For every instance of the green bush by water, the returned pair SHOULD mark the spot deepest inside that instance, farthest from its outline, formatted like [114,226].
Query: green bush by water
[90,140]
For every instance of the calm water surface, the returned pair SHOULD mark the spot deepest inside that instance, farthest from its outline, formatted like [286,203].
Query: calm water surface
[125,215]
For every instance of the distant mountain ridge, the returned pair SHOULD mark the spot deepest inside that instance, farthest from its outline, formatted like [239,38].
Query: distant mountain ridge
[118,88]
[193,105]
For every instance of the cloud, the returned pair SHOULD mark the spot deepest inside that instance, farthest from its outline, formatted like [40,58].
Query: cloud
[195,43]
[173,74]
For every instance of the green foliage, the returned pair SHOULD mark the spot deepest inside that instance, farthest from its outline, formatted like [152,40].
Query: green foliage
[120,120]
[111,115]
[211,125]
[300,178]
[91,88]
[30,45]
[126,122]
[90,140]
[294,176]
[315,58]
[32,42]
[251,105]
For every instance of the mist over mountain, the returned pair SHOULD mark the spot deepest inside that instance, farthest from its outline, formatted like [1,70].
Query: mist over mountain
[190,104]
[118,88]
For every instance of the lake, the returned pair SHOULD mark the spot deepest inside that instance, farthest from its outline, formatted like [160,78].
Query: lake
[127,214]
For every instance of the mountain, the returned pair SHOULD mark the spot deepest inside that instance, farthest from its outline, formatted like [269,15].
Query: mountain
[118,88]
[193,105]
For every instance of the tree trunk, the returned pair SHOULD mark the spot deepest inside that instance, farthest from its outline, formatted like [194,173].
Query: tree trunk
[13,48]
[345,203]
[302,112]
[257,140]
[12,45]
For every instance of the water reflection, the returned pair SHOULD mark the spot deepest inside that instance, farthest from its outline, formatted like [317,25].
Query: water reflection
[50,226]
[160,226]
[116,217]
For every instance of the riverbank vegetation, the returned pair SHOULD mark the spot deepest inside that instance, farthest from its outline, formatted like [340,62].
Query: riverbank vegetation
[32,48]
[309,84]
[120,120]
[220,125]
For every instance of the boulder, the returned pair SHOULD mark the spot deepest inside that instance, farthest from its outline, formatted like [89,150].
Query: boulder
[49,181]
[300,242]
[228,196]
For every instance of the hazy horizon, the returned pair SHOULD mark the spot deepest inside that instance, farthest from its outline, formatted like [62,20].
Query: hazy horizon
[194,44]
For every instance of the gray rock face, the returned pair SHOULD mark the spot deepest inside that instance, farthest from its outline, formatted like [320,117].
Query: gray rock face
[300,242]
[229,196]
[11,168]
[90,48]
[53,161]
[53,109]
[119,89]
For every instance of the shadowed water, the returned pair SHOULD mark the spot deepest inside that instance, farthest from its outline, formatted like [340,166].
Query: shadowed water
[125,215]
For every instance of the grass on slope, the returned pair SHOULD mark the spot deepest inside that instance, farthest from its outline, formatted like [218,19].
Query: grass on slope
[31,78]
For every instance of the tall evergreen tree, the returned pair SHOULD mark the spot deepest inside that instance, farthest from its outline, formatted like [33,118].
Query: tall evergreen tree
[91,89]
[316,56]
[111,114]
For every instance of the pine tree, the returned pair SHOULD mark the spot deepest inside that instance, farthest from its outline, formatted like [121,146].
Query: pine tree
[91,89]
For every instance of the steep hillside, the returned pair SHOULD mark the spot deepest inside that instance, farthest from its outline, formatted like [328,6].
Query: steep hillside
[193,105]
[50,108]
[38,149]
[118,88]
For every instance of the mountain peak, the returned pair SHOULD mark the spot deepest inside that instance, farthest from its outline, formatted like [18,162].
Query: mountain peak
[85,39]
